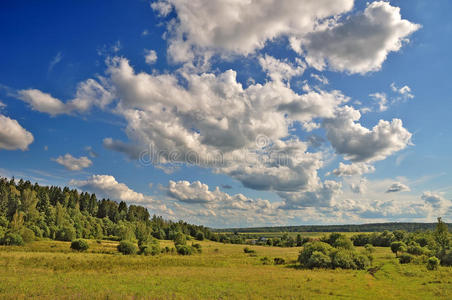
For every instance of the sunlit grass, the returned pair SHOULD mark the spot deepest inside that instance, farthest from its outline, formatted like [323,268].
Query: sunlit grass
[49,269]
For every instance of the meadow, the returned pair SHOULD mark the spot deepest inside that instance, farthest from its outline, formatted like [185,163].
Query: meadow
[50,269]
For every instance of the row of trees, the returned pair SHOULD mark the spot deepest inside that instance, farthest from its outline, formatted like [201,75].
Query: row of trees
[29,211]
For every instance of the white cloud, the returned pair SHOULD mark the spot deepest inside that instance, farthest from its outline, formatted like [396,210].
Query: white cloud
[362,42]
[279,70]
[360,144]
[2,105]
[404,91]
[195,192]
[352,169]
[398,187]
[320,78]
[73,163]
[240,27]
[150,56]
[435,200]
[13,136]
[381,100]
[107,186]
[89,93]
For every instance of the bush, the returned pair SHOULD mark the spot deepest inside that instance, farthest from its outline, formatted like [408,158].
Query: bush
[248,250]
[65,233]
[361,239]
[127,248]
[397,247]
[369,248]
[27,235]
[150,249]
[12,239]
[318,260]
[363,261]
[279,261]
[416,250]
[200,236]
[184,249]
[197,247]
[343,242]
[432,263]
[446,259]
[343,259]
[79,245]
[406,258]
[266,261]
[180,239]
[310,248]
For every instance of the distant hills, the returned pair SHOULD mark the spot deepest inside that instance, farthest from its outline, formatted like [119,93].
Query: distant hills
[371,227]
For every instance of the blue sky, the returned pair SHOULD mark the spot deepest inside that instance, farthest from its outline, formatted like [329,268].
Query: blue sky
[353,96]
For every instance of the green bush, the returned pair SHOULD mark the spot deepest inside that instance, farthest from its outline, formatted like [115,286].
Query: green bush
[343,242]
[446,259]
[184,249]
[432,263]
[27,235]
[416,250]
[369,248]
[12,239]
[248,250]
[343,259]
[266,261]
[150,249]
[180,239]
[279,261]
[79,245]
[127,248]
[318,260]
[200,236]
[65,233]
[406,258]
[197,247]
[310,248]
[397,247]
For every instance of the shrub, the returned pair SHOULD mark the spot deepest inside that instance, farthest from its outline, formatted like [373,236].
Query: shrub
[343,242]
[446,259]
[248,250]
[318,260]
[310,248]
[127,248]
[343,259]
[150,249]
[27,235]
[197,247]
[432,263]
[363,261]
[12,239]
[65,233]
[266,261]
[180,239]
[360,239]
[416,250]
[184,249]
[200,236]
[79,245]
[397,247]
[279,261]
[406,258]
[369,248]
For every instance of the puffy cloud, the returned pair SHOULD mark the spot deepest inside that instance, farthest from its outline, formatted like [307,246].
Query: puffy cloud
[107,186]
[352,169]
[240,27]
[361,42]
[89,93]
[397,187]
[195,192]
[360,144]
[279,70]
[324,196]
[435,200]
[73,163]
[150,56]
[381,100]
[13,136]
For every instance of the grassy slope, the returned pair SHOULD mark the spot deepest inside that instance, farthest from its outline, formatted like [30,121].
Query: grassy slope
[49,269]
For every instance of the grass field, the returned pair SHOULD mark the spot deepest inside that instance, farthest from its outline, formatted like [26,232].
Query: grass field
[49,269]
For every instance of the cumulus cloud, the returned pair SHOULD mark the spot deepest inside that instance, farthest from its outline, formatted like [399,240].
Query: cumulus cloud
[279,70]
[239,27]
[435,200]
[195,192]
[352,169]
[73,163]
[397,187]
[360,144]
[107,186]
[150,56]
[361,42]
[324,196]
[13,136]
[89,93]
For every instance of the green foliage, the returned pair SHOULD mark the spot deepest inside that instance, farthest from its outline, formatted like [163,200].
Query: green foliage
[184,249]
[248,250]
[446,258]
[197,247]
[266,260]
[406,258]
[127,247]
[65,233]
[432,263]
[12,239]
[343,242]
[310,248]
[369,248]
[79,245]
[180,239]
[397,247]
[150,249]
[27,235]
[318,260]
[279,261]
[200,236]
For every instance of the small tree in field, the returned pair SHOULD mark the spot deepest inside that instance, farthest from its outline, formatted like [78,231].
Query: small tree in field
[397,247]
[79,245]
[127,248]
[432,263]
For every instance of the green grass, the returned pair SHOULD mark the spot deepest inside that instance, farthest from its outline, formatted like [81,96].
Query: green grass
[49,269]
